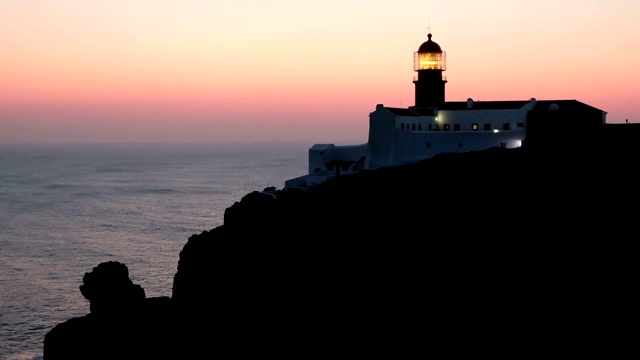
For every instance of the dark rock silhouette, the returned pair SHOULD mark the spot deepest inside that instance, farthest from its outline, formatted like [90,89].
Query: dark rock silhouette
[122,322]
[110,291]
[500,251]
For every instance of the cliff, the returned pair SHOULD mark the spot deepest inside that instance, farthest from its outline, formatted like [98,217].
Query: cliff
[493,252]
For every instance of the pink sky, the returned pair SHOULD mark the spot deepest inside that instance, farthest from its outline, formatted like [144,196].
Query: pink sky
[77,71]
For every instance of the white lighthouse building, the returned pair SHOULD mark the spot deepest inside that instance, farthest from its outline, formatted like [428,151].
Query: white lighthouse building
[434,125]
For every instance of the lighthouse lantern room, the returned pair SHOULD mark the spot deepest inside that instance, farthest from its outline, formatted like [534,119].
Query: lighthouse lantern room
[429,62]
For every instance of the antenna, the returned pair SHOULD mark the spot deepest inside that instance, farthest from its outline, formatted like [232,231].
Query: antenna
[429,24]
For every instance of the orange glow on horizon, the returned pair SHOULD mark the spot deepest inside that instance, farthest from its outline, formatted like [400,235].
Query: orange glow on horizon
[293,65]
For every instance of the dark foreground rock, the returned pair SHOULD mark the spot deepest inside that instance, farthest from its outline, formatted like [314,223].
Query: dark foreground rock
[498,252]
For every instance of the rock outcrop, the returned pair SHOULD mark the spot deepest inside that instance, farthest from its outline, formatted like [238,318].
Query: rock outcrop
[122,323]
[497,251]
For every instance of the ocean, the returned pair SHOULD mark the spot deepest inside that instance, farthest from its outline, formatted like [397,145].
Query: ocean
[64,209]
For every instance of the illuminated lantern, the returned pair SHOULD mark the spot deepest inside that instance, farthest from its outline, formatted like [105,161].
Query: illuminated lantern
[429,62]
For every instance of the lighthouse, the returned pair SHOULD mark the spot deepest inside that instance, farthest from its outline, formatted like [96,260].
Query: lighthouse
[433,126]
[429,62]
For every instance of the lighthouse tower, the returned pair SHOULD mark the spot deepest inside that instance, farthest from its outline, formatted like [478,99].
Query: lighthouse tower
[429,61]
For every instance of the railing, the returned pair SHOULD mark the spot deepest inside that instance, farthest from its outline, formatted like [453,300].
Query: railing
[415,78]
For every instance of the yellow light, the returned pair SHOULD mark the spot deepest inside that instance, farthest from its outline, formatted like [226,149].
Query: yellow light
[495,131]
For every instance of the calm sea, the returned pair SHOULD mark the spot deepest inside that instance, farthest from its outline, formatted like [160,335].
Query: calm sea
[66,209]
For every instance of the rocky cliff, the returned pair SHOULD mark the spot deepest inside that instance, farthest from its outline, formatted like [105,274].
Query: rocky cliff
[491,252]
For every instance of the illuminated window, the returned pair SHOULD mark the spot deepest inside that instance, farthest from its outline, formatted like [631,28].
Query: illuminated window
[474,127]
[445,127]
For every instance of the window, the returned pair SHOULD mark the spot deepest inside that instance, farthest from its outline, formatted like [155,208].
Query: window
[520,125]
[428,145]
[456,127]
[402,126]
[429,127]
[445,127]
[330,168]
[474,127]
[413,127]
[503,145]
[435,127]
[345,167]
[487,126]
[506,126]
[419,127]
[459,145]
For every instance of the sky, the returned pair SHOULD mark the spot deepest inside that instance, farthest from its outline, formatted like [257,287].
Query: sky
[88,71]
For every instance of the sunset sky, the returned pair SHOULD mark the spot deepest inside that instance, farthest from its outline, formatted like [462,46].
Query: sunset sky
[84,71]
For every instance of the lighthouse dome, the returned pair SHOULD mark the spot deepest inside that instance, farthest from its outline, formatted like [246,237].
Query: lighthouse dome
[429,46]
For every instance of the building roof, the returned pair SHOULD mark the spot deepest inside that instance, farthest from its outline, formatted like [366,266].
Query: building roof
[412,111]
[401,111]
[322,146]
[483,105]
[571,105]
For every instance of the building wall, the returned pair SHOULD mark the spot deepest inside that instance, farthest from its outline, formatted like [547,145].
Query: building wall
[552,130]
[321,155]
[496,118]
[398,139]
[382,126]
[415,146]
